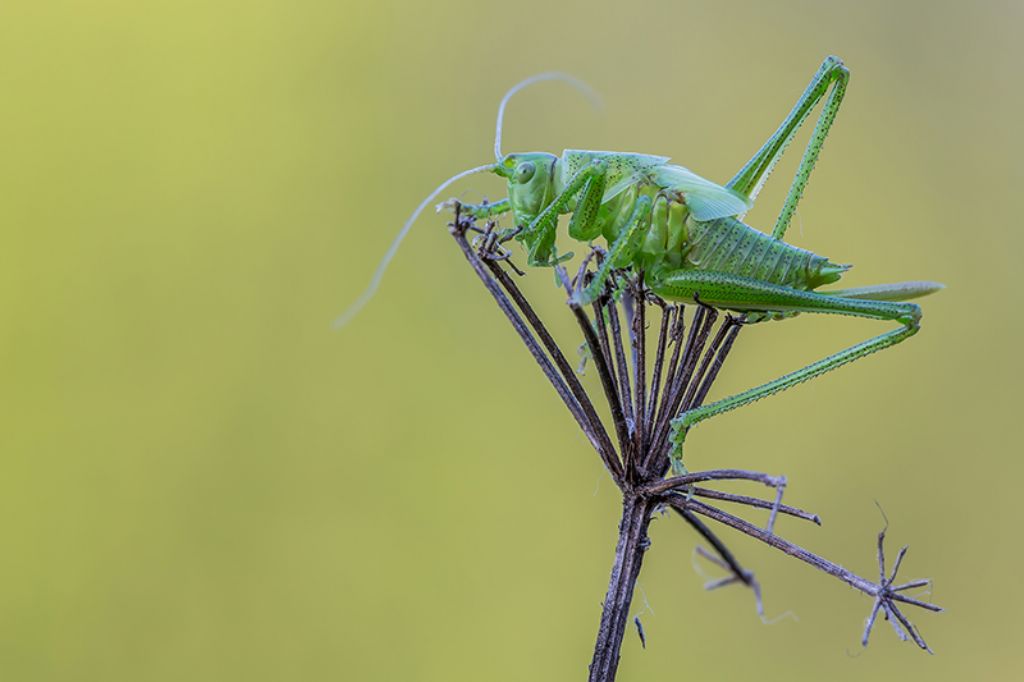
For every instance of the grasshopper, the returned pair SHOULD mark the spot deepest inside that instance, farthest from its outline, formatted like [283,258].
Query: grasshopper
[686,235]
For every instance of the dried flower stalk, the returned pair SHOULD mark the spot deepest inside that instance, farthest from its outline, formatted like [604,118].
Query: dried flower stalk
[643,399]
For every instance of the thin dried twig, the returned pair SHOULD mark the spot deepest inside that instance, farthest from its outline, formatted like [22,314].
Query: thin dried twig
[881,591]
[755,502]
[681,482]
[606,450]
[459,232]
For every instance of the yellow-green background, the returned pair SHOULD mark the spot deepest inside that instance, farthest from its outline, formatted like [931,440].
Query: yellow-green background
[199,480]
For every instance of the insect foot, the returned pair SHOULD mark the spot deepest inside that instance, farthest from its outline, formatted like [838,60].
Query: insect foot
[583,298]
[450,205]
[677,434]
[912,318]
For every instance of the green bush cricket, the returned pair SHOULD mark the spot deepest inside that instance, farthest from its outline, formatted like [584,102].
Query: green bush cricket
[686,235]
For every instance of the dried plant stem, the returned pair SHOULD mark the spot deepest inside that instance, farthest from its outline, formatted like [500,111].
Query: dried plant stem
[679,501]
[606,449]
[755,502]
[643,400]
[557,380]
[629,555]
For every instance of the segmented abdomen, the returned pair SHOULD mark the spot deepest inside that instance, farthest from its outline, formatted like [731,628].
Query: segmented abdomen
[729,246]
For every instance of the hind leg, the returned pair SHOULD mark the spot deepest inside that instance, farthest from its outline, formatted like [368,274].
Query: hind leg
[740,293]
[753,175]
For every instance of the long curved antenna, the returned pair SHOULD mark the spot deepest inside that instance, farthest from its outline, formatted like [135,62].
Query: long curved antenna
[378,274]
[594,98]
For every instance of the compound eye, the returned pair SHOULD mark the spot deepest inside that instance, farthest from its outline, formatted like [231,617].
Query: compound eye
[524,172]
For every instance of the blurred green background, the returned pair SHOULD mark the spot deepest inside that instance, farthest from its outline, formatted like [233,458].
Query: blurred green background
[202,481]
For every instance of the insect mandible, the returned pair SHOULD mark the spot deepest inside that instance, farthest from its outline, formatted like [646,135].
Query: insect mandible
[686,235]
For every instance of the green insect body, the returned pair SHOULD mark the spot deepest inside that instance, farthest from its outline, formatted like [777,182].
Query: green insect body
[688,224]
[687,237]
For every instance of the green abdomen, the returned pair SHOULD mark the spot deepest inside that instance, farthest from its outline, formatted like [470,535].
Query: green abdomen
[729,246]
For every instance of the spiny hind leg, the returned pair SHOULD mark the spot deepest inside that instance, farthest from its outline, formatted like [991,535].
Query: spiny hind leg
[753,175]
[756,316]
[897,291]
[740,293]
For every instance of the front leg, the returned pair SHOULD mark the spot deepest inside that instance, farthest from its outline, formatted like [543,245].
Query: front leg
[540,234]
[483,210]
[622,251]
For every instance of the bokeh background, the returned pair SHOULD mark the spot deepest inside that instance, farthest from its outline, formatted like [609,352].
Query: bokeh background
[202,481]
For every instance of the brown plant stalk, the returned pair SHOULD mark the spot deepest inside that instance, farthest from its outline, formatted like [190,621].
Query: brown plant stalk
[643,398]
